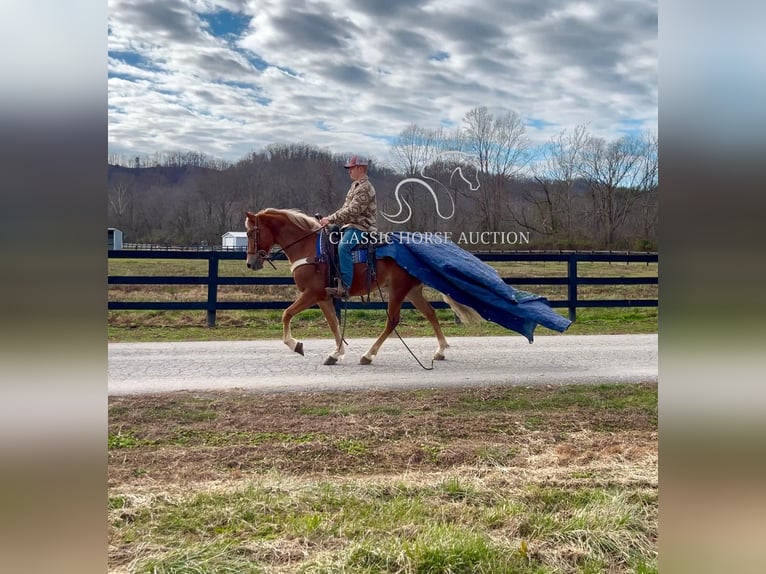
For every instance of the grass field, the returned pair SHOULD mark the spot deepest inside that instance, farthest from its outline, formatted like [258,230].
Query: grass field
[527,480]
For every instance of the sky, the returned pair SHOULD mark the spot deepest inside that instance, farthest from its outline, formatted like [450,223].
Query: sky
[229,77]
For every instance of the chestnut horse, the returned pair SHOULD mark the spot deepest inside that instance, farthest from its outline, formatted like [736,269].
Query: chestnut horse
[295,232]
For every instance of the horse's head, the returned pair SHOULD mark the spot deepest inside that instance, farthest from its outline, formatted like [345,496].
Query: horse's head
[259,241]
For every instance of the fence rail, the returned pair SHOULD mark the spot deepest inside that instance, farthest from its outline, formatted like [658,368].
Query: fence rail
[572,280]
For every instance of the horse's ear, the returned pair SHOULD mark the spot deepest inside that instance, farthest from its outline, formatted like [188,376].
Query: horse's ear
[250,215]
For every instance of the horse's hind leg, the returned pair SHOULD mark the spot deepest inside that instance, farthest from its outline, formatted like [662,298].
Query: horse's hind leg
[421,304]
[304,301]
[328,309]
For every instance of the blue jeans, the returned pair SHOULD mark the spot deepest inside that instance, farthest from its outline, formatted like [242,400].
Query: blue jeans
[350,239]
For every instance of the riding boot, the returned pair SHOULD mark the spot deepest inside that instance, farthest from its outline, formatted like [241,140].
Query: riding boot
[340,291]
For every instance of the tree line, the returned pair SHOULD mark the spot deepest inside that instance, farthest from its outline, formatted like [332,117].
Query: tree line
[577,191]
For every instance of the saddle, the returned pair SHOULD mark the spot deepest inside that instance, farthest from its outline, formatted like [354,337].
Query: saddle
[327,252]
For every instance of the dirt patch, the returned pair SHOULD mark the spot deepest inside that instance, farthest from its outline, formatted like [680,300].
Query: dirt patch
[182,438]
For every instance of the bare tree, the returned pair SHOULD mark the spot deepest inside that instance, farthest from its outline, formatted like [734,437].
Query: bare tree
[328,191]
[120,196]
[649,186]
[250,172]
[479,134]
[557,173]
[185,224]
[614,174]
[413,149]
[121,211]
[500,146]
[220,195]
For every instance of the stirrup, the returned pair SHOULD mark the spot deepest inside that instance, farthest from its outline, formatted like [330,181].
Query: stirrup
[340,291]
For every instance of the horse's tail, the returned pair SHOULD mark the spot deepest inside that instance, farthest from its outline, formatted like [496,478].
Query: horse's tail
[467,315]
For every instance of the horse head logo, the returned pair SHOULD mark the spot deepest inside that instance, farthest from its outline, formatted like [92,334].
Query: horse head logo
[461,159]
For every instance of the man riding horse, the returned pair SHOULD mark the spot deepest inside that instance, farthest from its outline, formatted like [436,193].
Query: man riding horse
[357,216]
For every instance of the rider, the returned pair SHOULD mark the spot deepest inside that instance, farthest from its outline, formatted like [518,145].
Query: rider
[357,215]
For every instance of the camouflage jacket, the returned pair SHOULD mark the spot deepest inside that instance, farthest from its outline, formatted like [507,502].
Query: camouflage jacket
[359,210]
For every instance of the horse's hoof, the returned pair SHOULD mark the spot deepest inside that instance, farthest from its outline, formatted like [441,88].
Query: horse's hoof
[365,361]
[438,356]
[299,347]
[330,361]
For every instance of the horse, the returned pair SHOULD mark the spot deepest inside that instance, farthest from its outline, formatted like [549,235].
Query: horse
[295,233]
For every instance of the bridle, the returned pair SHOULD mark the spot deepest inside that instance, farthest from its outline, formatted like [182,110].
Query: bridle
[254,236]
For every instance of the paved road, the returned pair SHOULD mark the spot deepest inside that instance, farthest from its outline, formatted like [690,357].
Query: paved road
[270,366]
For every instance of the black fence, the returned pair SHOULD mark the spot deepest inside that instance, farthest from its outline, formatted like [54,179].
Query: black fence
[572,280]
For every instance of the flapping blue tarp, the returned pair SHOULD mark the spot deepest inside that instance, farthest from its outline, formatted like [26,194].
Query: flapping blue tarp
[443,265]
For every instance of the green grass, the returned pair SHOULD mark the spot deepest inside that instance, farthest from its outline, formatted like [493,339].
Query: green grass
[123,440]
[439,549]
[170,326]
[202,558]
[325,410]
[604,397]
[352,447]
[453,525]
[190,411]
[205,437]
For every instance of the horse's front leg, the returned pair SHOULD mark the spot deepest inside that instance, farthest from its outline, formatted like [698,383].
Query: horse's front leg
[328,308]
[304,301]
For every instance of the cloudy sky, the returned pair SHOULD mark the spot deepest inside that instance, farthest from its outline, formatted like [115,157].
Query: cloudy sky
[227,77]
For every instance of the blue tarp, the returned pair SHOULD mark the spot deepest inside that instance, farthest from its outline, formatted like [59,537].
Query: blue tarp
[443,265]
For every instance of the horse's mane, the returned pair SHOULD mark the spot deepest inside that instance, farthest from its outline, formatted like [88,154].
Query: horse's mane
[296,216]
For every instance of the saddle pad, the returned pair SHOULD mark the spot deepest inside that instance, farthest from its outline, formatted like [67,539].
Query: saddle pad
[359,255]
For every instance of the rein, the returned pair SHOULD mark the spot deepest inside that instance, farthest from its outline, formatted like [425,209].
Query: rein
[301,238]
[414,356]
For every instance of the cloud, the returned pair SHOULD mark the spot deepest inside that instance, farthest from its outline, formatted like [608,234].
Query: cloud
[311,31]
[234,76]
[167,20]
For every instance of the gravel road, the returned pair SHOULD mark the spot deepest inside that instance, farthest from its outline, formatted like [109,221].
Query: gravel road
[136,368]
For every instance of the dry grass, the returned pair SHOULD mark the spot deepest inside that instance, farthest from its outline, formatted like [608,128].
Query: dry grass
[285,292]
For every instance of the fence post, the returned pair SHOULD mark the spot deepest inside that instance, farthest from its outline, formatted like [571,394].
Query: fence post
[572,286]
[212,287]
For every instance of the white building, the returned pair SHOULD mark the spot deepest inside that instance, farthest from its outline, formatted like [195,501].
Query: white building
[114,237]
[234,240]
